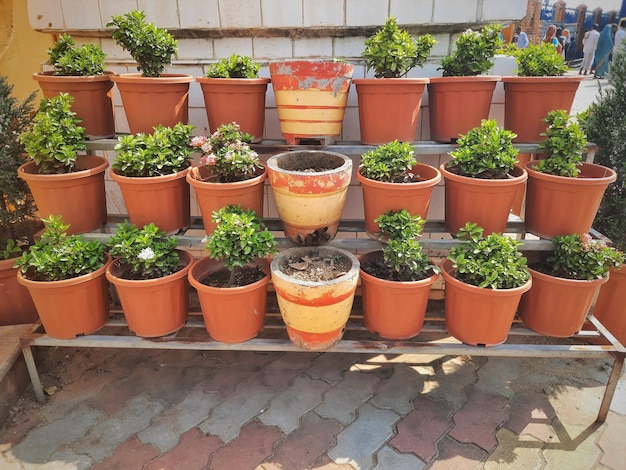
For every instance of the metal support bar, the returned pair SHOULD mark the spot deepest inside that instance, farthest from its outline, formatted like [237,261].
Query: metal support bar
[32,371]
[611,386]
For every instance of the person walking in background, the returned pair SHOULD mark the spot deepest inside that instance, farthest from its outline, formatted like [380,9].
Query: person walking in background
[565,40]
[603,51]
[620,35]
[590,43]
[522,38]
[551,38]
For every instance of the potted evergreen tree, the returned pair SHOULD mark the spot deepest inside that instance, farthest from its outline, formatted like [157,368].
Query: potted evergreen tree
[389,103]
[234,92]
[79,72]
[150,97]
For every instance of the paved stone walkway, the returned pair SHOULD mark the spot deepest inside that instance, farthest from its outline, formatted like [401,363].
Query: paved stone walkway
[125,409]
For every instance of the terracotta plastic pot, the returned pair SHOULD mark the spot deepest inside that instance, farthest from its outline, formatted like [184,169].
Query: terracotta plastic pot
[79,197]
[559,205]
[16,304]
[458,104]
[93,99]
[610,307]
[556,306]
[389,108]
[310,203]
[240,100]
[479,316]
[393,309]
[150,101]
[161,200]
[486,202]
[315,313]
[231,315]
[154,307]
[379,196]
[311,98]
[72,307]
[527,101]
[213,196]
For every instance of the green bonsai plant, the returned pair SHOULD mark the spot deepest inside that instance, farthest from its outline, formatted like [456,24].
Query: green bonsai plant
[166,151]
[239,239]
[227,155]
[235,66]
[56,137]
[150,46]
[17,208]
[565,143]
[57,256]
[474,52]
[146,253]
[491,262]
[67,59]
[392,52]
[580,257]
[403,257]
[485,152]
[540,60]
[390,162]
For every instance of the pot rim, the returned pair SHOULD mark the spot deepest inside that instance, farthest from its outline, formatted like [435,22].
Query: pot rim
[147,179]
[165,77]
[393,284]
[387,81]
[466,78]
[202,263]
[225,186]
[100,164]
[611,177]
[185,257]
[48,76]
[564,280]
[564,78]
[447,271]
[522,175]
[400,186]
[234,81]
[273,166]
[108,261]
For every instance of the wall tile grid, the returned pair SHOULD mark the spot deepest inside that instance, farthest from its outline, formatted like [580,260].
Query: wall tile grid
[195,53]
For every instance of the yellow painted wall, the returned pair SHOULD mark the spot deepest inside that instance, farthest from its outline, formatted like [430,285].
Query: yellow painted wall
[22,50]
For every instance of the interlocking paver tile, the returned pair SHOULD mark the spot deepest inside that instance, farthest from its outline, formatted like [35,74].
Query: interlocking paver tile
[331,367]
[454,455]
[286,409]
[515,453]
[389,458]
[358,442]
[531,413]
[420,430]
[166,429]
[398,391]
[498,375]
[279,373]
[478,419]
[451,378]
[192,452]
[576,406]
[613,442]
[580,452]
[342,401]
[250,449]
[129,454]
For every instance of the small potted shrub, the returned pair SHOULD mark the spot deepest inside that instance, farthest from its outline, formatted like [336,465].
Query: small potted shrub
[396,281]
[389,103]
[79,71]
[539,87]
[149,273]
[563,193]
[232,282]
[461,99]
[565,283]
[485,278]
[65,275]
[233,92]
[150,97]
[150,169]
[62,182]
[229,173]
[482,180]
[392,179]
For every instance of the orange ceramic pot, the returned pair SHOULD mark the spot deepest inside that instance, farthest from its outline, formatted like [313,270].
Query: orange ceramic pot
[240,100]
[486,202]
[150,101]
[310,203]
[72,307]
[311,98]
[16,304]
[79,197]
[379,196]
[212,196]
[458,104]
[154,307]
[610,307]
[161,200]
[559,205]
[93,99]
[231,315]
[389,108]
[556,306]
[315,312]
[527,101]
[479,316]
[393,309]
